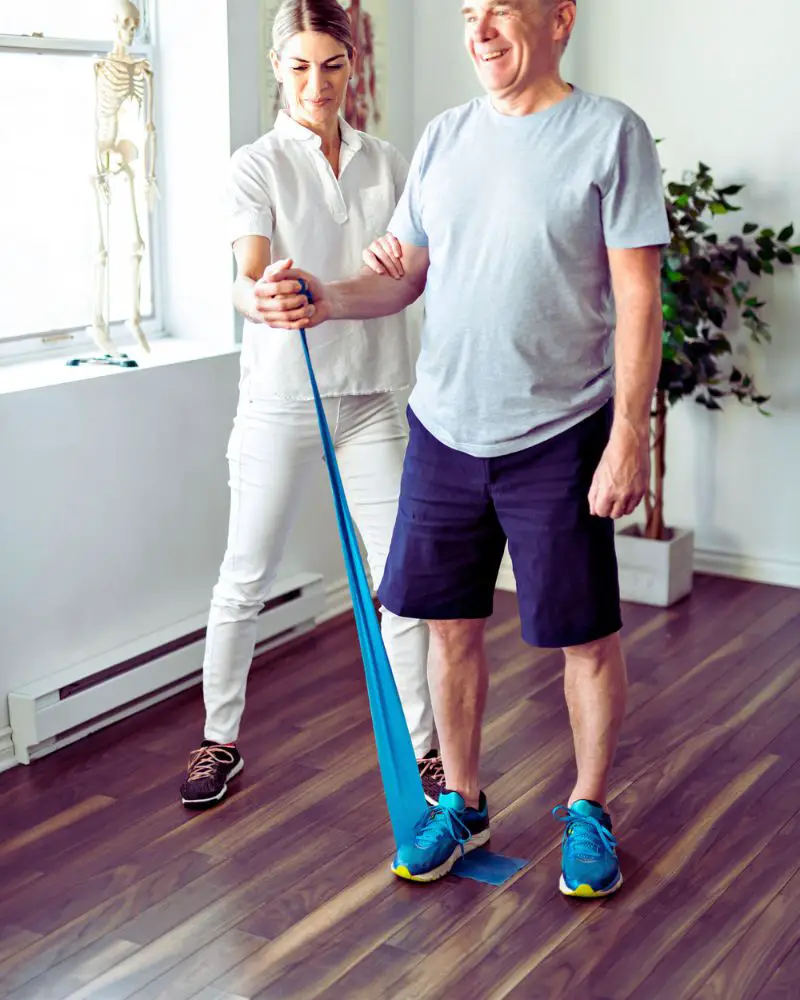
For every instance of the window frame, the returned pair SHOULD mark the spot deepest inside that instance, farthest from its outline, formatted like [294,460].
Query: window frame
[62,342]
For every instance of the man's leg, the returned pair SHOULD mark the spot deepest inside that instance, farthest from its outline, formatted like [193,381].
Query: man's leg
[459,680]
[445,555]
[596,687]
[568,593]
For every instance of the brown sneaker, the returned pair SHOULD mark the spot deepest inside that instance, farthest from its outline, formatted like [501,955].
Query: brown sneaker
[432,774]
[210,769]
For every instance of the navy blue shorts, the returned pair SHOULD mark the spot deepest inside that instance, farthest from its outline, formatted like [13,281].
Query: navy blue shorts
[457,512]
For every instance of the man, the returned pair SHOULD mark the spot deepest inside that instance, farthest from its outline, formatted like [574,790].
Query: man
[523,213]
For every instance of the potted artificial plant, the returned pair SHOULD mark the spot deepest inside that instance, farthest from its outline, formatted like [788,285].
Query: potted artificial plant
[702,282]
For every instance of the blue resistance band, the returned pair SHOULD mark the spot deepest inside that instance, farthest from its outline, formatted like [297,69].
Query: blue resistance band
[396,758]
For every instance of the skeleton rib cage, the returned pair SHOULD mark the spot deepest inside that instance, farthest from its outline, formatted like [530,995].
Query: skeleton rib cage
[118,82]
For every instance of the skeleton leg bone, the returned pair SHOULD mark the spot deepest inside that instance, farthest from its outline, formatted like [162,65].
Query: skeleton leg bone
[99,328]
[135,322]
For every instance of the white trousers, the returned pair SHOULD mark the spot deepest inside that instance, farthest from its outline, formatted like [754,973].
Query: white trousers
[273,451]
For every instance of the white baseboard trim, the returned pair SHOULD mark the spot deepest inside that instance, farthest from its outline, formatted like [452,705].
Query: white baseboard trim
[778,572]
[7,758]
[337,600]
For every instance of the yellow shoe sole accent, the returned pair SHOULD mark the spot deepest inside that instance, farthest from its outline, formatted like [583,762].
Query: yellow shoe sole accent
[479,840]
[584,891]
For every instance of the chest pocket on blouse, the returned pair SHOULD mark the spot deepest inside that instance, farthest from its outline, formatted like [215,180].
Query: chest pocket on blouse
[376,206]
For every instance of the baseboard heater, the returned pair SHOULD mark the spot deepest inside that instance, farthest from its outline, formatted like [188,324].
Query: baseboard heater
[62,708]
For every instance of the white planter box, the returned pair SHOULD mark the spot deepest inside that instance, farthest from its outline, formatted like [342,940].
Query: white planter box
[655,573]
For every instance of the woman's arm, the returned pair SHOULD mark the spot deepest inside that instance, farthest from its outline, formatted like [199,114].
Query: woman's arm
[253,272]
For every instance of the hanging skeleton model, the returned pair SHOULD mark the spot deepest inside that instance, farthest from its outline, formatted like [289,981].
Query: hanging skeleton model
[121,78]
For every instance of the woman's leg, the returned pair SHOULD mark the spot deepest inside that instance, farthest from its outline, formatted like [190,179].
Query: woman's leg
[273,448]
[370,444]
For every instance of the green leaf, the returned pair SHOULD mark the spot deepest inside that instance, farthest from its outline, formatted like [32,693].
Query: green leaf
[749,227]
[718,208]
[733,189]
[768,234]
[736,375]
[785,257]
[786,234]
[795,251]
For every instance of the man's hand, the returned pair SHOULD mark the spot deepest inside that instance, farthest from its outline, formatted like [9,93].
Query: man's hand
[278,300]
[385,256]
[623,475]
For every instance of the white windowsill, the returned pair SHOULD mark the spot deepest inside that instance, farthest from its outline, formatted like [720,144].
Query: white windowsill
[39,373]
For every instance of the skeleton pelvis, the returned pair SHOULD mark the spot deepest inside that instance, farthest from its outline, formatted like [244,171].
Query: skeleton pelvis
[120,155]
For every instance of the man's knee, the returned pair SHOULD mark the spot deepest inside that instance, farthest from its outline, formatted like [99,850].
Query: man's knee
[597,653]
[460,634]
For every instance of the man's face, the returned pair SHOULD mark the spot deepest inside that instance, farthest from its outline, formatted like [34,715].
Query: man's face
[511,42]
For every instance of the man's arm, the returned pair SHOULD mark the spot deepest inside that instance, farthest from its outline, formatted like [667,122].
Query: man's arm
[365,296]
[623,474]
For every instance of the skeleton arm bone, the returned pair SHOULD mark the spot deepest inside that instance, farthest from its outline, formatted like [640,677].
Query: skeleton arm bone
[151,186]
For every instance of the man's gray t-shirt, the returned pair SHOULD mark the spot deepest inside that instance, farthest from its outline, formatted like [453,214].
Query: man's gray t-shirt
[517,213]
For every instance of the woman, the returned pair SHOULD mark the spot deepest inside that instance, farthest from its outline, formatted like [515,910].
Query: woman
[315,189]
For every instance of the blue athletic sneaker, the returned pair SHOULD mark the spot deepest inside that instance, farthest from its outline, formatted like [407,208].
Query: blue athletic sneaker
[589,864]
[445,834]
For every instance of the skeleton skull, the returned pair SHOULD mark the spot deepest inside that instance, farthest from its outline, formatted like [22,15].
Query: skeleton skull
[126,20]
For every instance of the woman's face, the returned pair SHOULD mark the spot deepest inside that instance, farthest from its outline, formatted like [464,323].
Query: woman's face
[314,70]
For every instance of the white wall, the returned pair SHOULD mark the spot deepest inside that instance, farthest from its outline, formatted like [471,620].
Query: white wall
[114,512]
[716,81]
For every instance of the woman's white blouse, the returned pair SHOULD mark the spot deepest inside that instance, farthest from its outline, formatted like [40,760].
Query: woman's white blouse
[283,188]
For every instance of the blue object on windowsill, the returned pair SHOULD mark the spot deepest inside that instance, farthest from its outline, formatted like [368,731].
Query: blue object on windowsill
[123,361]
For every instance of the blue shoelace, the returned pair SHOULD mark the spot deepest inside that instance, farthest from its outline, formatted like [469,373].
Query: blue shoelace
[441,818]
[589,839]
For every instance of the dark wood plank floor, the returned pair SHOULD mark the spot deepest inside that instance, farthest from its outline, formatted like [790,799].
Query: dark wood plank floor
[110,890]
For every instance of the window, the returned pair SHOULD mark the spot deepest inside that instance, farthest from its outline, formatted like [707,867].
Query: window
[49,236]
